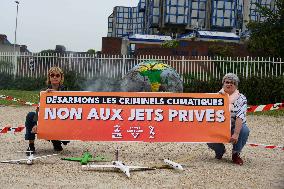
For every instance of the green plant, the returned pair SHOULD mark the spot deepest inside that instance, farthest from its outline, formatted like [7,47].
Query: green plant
[221,50]
[91,51]
[170,44]
[73,81]
[266,38]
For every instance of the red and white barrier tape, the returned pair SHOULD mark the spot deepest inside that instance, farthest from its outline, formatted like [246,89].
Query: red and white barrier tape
[257,108]
[20,128]
[266,146]
[262,108]
[22,102]
[10,129]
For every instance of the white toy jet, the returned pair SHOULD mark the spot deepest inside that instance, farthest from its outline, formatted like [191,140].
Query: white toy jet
[29,160]
[116,165]
[173,165]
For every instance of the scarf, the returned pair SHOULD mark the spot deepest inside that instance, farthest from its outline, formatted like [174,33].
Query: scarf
[232,98]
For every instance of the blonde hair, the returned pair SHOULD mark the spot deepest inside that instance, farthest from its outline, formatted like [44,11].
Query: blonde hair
[57,70]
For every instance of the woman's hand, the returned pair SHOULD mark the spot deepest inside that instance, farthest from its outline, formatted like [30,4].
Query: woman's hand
[234,138]
[49,90]
[222,92]
[34,129]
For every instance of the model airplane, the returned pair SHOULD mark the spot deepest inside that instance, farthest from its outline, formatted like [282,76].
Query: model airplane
[173,165]
[86,158]
[168,164]
[29,160]
[117,165]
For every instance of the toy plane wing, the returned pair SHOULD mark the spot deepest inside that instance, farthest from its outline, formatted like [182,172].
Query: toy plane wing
[140,168]
[46,156]
[117,165]
[14,161]
[72,159]
[95,166]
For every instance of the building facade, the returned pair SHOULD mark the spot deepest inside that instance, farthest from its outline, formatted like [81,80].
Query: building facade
[172,17]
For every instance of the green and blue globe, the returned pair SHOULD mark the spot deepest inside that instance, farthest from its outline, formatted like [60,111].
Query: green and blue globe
[152,76]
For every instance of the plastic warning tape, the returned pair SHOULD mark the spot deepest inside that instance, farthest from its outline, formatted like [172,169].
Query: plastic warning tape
[257,108]
[262,108]
[10,129]
[266,146]
[10,98]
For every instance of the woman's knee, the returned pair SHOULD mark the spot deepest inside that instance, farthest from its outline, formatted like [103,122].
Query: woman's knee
[30,119]
[30,116]
[245,131]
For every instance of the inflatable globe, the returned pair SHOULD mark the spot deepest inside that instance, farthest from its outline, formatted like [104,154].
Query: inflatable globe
[152,76]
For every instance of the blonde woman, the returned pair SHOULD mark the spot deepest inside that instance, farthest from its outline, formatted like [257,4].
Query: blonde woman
[54,81]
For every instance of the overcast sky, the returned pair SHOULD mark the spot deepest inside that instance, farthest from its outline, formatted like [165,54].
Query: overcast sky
[42,24]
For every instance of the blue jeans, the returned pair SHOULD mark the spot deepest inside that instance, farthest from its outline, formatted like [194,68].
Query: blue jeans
[219,148]
[29,124]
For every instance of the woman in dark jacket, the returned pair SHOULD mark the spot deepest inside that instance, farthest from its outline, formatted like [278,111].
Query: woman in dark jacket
[55,79]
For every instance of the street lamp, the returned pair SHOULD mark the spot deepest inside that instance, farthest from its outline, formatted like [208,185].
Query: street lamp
[15,57]
[17,2]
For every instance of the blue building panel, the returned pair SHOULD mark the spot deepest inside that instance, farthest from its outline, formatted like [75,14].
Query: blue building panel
[240,13]
[155,14]
[110,26]
[137,21]
[141,5]
[176,12]
[224,13]
[123,21]
[197,13]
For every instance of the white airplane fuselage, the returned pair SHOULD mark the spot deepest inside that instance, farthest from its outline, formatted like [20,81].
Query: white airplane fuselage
[122,167]
[173,165]
[30,159]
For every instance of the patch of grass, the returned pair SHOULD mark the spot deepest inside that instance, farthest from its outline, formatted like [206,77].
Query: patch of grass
[273,113]
[28,96]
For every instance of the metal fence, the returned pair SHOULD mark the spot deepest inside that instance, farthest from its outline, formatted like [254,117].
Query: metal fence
[116,66]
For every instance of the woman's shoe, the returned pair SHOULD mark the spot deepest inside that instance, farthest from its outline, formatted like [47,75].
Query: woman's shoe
[30,150]
[220,155]
[57,145]
[237,159]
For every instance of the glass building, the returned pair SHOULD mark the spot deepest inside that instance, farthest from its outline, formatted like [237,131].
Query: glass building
[164,16]
[125,21]
[176,12]
[227,14]
[197,14]
[110,26]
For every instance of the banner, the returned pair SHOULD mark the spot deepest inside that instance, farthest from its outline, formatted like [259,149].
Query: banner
[130,116]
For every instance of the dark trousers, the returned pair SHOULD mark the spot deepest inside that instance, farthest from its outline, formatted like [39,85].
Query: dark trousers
[243,137]
[29,124]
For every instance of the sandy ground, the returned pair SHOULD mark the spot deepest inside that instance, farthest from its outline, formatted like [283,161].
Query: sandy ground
[263,168]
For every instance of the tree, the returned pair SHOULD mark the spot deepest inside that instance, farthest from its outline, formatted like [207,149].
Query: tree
[91,51]
[48,51]
[267,37]
[170,44]
[224,50]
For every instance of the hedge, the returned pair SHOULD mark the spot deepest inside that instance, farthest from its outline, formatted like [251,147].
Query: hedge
[257,90]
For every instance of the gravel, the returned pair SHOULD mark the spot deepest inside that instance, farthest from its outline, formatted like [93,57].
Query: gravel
[263,168]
